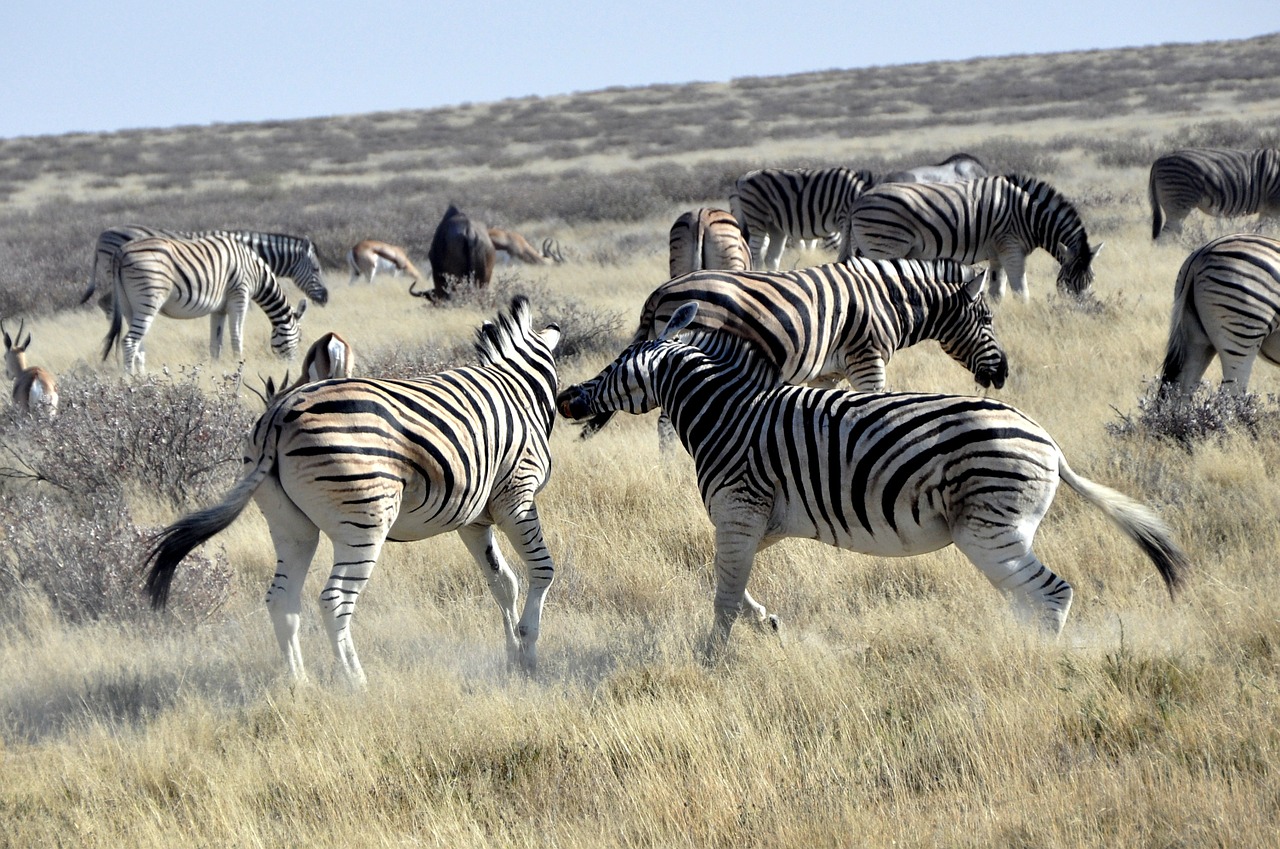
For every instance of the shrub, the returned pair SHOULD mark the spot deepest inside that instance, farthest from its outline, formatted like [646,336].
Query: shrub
[1164,414]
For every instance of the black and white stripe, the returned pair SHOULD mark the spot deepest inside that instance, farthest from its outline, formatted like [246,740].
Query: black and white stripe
[1214,181]
[995,219]
[216,276]
[885,474]
[775,204]
[1226,303]
[707,238]
[366,461]
[294,257]
[840,320]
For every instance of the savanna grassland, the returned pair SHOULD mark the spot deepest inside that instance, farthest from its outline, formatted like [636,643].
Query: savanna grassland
[902,705]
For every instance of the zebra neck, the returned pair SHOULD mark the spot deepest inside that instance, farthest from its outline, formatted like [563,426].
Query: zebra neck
[708,401]
[268,295]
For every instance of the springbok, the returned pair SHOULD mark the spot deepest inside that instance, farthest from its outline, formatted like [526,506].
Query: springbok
[461,251]
[369,257]
[515,246]
[33,386]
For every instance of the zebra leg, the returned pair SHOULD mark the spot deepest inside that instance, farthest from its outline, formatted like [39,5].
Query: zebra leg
[525,533]
[352,565]
[1237,366]
[1003,553]
[995,279]
[776,242]
[865,371]
[667,437]
[237,309]
[217,323]
[1014,265]
[739,532]
[294,537]
[480,541]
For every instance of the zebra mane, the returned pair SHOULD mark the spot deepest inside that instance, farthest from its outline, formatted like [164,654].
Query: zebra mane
[1046,197]
[500,339]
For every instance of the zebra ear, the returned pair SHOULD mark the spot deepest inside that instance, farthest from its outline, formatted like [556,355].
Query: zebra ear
[300,309]
[1098,249]
[975,286]
[551,336]
[680,319]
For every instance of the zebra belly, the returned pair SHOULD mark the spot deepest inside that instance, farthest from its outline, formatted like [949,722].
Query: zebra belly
[906,536]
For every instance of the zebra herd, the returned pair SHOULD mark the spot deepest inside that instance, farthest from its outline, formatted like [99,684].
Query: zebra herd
[366,461]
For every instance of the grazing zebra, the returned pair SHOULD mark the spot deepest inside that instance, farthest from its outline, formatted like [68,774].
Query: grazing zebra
[294,257]
[1217,182]
[367,461]
[998,219]
[957,168]
[773,205]
[34,387]
[843,319]
[368,257]
[215,276]
[885,474]
[1226,302]
[707,238]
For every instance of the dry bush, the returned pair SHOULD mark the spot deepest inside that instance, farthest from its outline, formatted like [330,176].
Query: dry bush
[1206,414]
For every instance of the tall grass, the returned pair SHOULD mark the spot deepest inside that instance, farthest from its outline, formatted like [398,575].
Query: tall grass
[902,703]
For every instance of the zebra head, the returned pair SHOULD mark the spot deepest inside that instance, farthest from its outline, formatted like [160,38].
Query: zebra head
[626,384]
[306,273]
[284,332]
[1075,275]
[969,336]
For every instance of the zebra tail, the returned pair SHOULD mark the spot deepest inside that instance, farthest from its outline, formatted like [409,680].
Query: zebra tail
[1139,522]
[171,545]
[117,317]
[1184,312]
[1157,212]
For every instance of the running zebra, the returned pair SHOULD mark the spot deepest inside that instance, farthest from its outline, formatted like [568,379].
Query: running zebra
[1226,302]
[774,205]
[294,257]
[707,238]
[367,461]
[1217,182]
[215,276]
[840,320]
[885,474]
[997,219]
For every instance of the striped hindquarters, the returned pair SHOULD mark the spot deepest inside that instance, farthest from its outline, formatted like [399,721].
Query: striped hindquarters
[707,238]
[1216,181]
[1227,298]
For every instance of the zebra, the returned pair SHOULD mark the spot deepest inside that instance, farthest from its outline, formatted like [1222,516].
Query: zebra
[1215,181]
[998,219]
[294,257]
[215,276]
[773,205]
[885,474]
[369,461]
[707,238]
[957,168]
[1226,302]
[843,319]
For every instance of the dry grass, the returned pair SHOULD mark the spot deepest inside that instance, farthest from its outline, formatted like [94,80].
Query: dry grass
[902,705]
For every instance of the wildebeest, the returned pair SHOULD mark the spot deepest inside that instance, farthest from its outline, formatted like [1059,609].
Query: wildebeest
[461,251]
[957,168]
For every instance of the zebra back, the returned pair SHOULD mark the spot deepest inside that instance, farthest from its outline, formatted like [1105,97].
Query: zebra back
[294,257]
[798,203]
[841,319]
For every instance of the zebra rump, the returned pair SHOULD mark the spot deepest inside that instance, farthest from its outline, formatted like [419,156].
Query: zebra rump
[1226,303]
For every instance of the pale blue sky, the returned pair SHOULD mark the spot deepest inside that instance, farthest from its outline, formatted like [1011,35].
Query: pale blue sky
[80,66]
